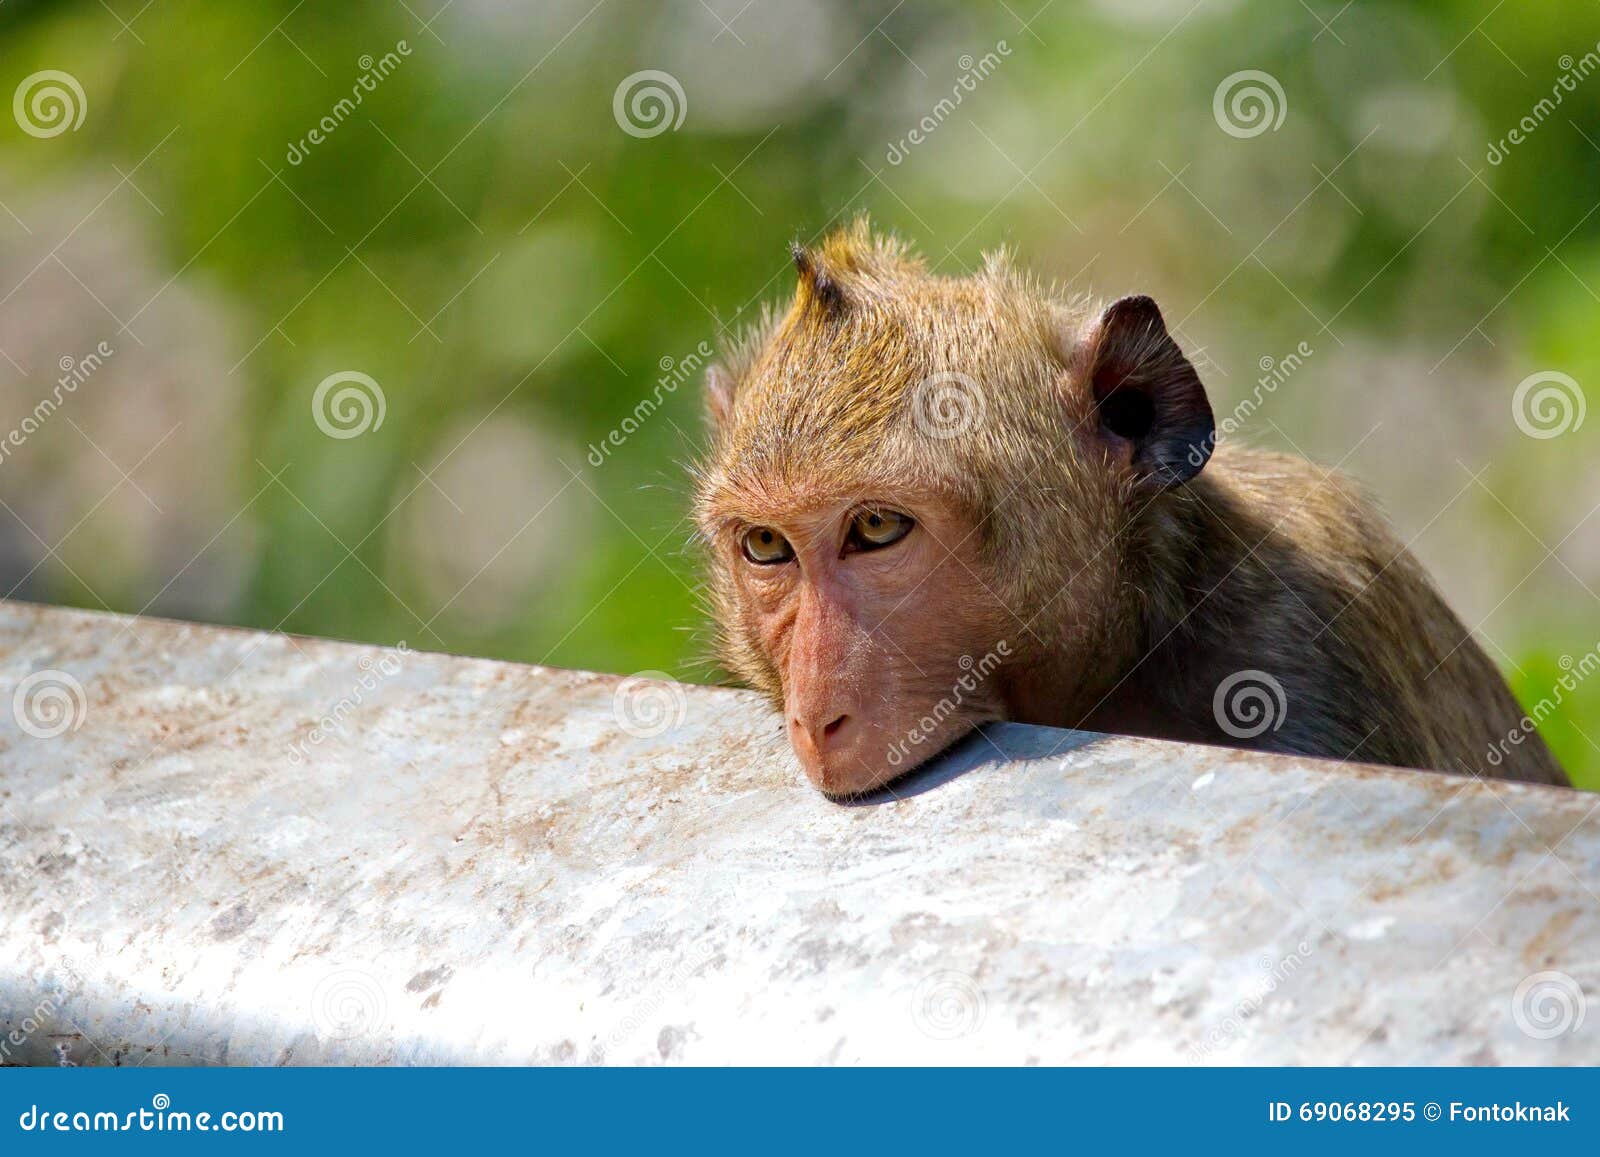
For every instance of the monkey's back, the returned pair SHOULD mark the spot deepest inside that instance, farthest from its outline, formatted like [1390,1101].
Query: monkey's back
[1298,574]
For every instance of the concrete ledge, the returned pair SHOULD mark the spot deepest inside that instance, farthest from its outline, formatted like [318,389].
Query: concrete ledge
[245,848]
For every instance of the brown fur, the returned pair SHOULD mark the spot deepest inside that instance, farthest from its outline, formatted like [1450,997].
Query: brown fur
[1127,591]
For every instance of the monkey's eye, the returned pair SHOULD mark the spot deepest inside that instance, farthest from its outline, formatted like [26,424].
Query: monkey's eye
[876,529]
[766,547]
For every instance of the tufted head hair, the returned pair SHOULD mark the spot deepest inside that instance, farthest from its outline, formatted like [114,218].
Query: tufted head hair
[983,393]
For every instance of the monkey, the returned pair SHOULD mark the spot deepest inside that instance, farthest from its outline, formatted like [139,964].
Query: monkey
[933,502]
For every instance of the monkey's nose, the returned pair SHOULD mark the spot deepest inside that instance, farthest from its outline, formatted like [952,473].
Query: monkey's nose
[814,737]
[828,751]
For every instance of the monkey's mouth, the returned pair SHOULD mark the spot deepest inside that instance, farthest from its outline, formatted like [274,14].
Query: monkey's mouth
[857,776]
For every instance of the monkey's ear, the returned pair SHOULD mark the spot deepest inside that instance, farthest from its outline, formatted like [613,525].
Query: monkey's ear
[1148,398]
[719,395]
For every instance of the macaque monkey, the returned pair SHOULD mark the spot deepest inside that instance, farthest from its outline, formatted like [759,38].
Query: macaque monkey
[934,502]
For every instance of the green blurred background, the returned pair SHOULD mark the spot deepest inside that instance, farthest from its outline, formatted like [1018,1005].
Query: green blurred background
[516,271]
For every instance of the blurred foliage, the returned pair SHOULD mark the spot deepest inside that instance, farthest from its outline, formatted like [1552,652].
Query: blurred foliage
[482,238]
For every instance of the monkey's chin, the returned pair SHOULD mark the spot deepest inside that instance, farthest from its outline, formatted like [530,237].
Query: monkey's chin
[849,775]
[845,787]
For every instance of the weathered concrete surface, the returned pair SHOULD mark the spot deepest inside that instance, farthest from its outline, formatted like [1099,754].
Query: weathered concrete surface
[481,864]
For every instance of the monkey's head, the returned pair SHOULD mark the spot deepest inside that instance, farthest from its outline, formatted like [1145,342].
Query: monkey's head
[918,500]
